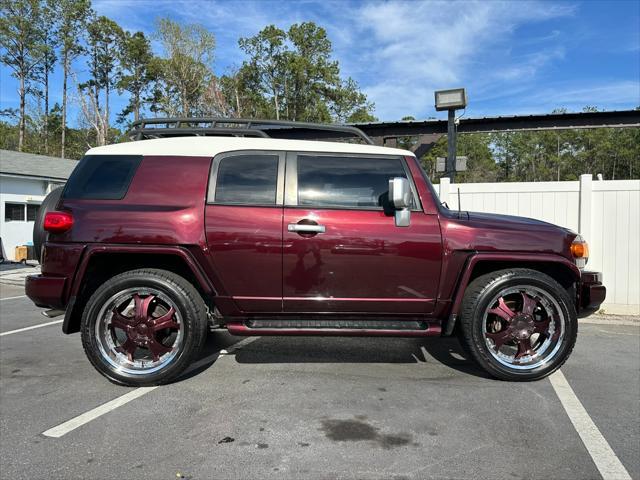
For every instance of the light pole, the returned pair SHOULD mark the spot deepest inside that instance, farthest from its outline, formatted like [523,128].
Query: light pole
[451,100]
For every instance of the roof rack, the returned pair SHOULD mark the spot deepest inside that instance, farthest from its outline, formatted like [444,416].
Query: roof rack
[240,127]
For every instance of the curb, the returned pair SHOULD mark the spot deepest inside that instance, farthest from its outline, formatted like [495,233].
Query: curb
[630,321]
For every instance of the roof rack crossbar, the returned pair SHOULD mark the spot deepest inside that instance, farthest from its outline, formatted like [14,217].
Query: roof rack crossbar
[164,127]
[147,133]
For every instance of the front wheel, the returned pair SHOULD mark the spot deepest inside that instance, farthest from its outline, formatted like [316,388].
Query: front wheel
[144,327]
[518,324]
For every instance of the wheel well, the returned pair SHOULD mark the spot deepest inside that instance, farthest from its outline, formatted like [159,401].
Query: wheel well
[560,273]
[103,266]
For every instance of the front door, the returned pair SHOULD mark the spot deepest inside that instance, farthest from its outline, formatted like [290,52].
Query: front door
[243,224]
[342,252]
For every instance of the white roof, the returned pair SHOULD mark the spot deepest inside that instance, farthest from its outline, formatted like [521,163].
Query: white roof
[211,146]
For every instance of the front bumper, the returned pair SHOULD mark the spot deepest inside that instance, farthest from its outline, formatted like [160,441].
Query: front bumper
[591,293]
[46,291]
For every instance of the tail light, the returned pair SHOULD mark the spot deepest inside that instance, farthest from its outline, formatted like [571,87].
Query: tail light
[58,222]
[580,251]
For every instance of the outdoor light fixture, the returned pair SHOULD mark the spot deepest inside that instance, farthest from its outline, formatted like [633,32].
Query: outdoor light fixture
[453,99]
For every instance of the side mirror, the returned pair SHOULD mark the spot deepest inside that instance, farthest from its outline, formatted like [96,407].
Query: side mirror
[400,198]
[399,193]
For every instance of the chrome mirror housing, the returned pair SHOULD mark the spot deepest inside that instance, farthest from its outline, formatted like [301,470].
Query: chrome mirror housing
[399,192]
[400,198]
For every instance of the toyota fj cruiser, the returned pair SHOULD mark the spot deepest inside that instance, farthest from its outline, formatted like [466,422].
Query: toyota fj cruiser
[200,224]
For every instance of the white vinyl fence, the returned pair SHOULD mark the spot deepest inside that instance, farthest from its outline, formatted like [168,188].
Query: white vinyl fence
[606,213]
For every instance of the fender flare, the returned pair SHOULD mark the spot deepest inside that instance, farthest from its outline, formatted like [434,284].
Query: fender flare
[68,325]
[498,257]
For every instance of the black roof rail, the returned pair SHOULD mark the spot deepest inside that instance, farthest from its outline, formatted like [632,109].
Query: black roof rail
[240,127]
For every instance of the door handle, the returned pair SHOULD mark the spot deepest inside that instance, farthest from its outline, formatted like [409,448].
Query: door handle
[305,228]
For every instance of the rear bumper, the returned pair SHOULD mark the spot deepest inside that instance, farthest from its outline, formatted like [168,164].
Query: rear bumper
[46,291]
[591,294]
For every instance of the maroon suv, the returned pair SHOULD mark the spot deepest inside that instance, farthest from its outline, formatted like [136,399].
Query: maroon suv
[153,242]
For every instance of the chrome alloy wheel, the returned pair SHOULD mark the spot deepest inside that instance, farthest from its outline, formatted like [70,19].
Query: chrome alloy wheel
[139,331]
[523,327]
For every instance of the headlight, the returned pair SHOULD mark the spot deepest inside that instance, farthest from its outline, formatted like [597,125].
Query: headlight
[580,251]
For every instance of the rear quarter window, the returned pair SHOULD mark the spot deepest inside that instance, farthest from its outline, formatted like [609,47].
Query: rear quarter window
[102,177]
[247,180]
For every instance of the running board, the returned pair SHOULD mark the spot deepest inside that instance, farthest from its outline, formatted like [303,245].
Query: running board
[334,327]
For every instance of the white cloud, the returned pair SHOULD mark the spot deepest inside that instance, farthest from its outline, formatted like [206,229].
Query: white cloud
[423,46]
[401,51]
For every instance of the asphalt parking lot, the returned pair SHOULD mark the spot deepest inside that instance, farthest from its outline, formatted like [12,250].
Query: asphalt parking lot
[314,408]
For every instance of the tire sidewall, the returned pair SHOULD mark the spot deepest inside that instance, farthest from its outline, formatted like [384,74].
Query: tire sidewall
[187,314]
[551,288]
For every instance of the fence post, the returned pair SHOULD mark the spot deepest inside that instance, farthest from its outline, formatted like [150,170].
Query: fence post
[445,184]
[584,216]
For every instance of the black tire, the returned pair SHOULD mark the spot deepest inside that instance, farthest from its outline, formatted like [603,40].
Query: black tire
[40,236]
[480,298]
[177,293]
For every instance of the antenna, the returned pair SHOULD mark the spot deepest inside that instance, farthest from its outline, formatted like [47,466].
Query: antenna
[459,203]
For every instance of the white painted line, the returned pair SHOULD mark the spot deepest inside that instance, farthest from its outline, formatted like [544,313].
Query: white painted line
[13,298]
[603,456]
[221,353]
[237,346]
[70,425]
[11,332]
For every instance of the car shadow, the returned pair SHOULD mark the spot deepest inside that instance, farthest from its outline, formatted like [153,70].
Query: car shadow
[217,340]
[264,350]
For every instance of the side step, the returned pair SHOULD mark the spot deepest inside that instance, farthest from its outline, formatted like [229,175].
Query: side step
[334,327]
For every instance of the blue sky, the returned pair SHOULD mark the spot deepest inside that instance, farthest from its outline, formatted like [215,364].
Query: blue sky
[513,57]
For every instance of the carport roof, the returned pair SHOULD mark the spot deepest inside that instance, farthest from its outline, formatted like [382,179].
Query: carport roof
[32,165]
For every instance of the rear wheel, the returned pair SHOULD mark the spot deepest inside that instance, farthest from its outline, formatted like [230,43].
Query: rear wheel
[518,324]
[144,327]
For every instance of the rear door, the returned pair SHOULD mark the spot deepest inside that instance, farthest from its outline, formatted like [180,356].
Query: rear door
[342,252]
[243,223]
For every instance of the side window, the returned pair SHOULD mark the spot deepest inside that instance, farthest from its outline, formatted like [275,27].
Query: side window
[102,177]
[32,212]
[13,212]
[250,179]
[350,182]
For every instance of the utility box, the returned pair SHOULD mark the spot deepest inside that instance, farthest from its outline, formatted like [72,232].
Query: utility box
[461,164]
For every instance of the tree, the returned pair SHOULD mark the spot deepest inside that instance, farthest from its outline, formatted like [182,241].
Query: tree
[292,76]
[73,16]
[47,26]
[186,66]
[266,70]
[104,38]
[21,48]
[136,73]
[349,104]
[240,98]
[313,72]
[481,166]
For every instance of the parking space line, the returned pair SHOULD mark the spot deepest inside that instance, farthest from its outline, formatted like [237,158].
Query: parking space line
[11,332]
[222,353]
[601,452]
[13,298]
[69,425]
